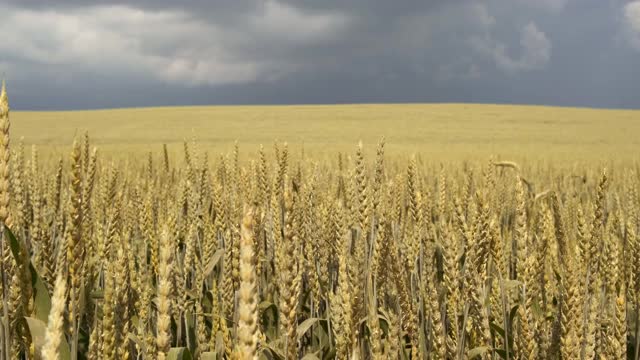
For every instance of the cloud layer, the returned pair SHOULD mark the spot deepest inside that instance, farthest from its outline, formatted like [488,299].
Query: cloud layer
[632,19]
[140,53]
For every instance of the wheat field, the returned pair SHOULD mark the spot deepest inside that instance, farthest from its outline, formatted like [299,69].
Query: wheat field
[441,132]
[488,232]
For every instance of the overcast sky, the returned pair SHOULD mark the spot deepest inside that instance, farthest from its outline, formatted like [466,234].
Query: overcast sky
[76,54]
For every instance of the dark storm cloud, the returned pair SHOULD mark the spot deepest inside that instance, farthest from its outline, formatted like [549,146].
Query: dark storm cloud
[214,6]
[78,54]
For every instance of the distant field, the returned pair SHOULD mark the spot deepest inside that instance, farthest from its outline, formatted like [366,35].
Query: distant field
[442,131]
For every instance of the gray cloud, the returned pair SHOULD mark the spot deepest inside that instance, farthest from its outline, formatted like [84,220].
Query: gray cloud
[535,50]
[171,45]
[632,22]
[553,6]
[99,53]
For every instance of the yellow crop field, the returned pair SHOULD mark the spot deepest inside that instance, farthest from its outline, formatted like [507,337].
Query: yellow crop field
[443,132]
[446,231]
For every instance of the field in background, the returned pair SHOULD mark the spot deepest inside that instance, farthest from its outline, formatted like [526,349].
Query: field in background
[442,131]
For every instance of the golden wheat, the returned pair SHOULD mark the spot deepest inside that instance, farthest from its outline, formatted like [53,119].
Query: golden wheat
[289,257]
